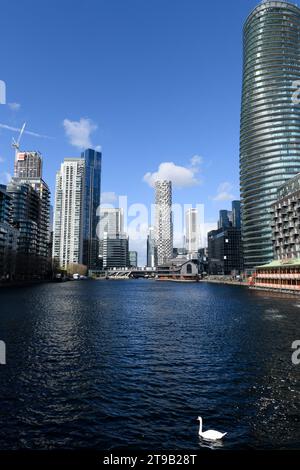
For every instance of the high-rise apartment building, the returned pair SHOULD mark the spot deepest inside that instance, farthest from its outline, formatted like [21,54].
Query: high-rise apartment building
[285,222]
[67,221]
[77,201]
[163,221]
[270,120]
[8,237]
[25,217]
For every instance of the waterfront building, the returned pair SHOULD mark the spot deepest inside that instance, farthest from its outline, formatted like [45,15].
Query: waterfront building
[151,248]
[8,237]
[133,259]
[178,270]
[270,120]
[285,221]
[43,235]
[163,221]
[91,205]
[25,216]
[279,275]
[192,231]
[28,165]
[77,200]
[67,224]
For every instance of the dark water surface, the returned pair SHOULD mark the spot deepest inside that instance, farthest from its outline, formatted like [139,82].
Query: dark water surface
[109,364]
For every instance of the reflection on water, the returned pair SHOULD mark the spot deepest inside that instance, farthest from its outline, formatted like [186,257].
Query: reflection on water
[133,363]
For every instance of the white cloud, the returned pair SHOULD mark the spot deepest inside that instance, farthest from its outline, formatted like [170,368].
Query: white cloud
[2,160]
[14,106]
[108,197]
[5,177]
[224,192]
[180,176]
[79,132]
[196,160]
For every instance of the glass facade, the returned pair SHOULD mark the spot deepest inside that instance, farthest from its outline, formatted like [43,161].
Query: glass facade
[91,203]
[270,120]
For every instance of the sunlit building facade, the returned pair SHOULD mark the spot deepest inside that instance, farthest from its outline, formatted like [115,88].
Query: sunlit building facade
[270,120]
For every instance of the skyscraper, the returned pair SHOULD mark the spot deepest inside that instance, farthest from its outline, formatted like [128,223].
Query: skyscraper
[270,120]
[151,248]
[225,218]
[192,231]
[67,224]
[163,221]
[77,200]
[91,204]
[236,214]
[111,221]
[114,247]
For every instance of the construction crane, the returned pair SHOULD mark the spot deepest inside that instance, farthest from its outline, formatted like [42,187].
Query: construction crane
[16,143]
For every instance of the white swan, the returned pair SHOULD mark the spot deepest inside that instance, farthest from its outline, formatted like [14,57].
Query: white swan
[209,435]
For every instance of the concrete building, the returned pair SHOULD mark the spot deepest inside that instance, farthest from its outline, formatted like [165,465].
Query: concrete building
[270,120]
[285,221]
[163,221]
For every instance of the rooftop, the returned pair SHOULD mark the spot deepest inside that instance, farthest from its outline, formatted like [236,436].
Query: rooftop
[282,263]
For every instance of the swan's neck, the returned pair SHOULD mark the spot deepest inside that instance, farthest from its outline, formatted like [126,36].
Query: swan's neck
[200,425]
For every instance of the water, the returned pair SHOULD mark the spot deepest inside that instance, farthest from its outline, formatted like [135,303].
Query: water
[115,364]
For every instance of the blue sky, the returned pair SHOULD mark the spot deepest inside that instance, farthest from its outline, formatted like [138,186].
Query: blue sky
[150,81]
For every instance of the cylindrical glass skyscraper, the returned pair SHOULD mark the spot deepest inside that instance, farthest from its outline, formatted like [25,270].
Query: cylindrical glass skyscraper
[270,120]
